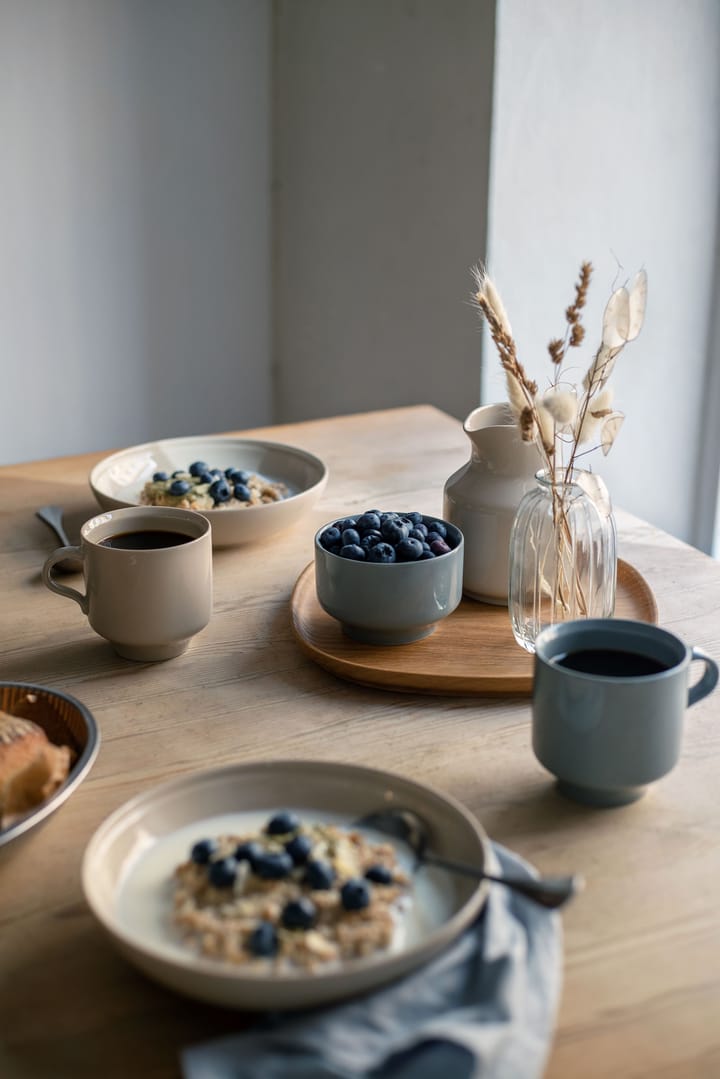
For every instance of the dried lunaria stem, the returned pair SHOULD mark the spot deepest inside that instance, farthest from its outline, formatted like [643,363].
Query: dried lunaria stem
[563,419]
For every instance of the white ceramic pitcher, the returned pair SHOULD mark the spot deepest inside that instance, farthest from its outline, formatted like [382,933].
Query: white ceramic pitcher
[481,498]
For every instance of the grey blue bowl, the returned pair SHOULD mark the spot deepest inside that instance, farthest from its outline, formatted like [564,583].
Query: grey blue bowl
[393,603]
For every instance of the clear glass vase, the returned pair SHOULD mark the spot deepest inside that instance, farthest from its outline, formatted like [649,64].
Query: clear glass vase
[563,556]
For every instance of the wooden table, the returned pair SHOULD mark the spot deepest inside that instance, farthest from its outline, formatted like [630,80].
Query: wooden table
[642,944]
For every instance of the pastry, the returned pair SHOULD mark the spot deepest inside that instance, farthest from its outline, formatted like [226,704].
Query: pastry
[31,767]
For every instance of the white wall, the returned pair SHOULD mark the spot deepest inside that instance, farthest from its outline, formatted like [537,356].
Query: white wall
[606,146]
[135,192]
[381,121]
[134,221]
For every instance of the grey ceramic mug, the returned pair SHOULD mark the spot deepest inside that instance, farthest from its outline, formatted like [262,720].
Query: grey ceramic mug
[608,707]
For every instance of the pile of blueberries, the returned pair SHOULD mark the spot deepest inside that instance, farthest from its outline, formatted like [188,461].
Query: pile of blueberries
[376,536]
[232,483]
[315,873]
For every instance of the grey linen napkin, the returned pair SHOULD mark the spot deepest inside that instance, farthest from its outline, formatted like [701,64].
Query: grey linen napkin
[483,1009]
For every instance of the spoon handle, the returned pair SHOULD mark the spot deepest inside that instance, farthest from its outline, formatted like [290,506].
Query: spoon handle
[550,892]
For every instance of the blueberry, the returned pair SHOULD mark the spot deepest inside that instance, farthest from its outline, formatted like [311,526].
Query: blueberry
[197,468]
[355,894]
[414,517]
[282,823]
[433,535]
[238,475]
[418,532]
[330,537]
[219,491]
[369,521]
[379,874]
[160,477]
[202,851]
[394,530]
[299,914]
[299,848]
[427,553]
[179,487]
[222,873]
[346,522]
[206,477]
[319,875]
[408,550]
[439,546]
[439,527]
[381,552]
[263,939]
[273,865]
[242,492]
[350,536]
[370,539]
[352,550]
[248,852]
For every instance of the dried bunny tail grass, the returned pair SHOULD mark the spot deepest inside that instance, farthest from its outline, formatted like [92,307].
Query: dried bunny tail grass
[528,427]
[520,389]
[486,289]
[517,398]
[562,406]
[546,427]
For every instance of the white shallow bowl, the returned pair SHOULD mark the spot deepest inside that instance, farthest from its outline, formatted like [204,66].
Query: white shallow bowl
[129,861]
[117,481]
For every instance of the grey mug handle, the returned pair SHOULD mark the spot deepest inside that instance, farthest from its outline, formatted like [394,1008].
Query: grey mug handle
[709,679]
[62,589]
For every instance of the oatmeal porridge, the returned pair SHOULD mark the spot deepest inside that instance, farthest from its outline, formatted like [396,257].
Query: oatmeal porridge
[291,894]
[203,488]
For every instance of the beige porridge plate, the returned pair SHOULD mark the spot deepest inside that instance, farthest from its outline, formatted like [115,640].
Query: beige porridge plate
[117,481]
[129,860]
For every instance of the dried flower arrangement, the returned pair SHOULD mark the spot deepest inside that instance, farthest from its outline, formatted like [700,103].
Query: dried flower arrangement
[570,580]
[564,417]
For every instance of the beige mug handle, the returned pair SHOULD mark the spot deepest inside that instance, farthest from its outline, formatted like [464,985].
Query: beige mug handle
[62,589]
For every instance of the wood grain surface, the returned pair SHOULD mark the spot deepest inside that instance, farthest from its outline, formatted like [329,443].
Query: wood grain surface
[641,993]
[473,651]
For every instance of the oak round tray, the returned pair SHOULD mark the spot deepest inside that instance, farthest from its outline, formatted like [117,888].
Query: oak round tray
[471,652]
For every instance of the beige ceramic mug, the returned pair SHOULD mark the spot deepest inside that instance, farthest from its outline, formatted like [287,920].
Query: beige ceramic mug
[148,579]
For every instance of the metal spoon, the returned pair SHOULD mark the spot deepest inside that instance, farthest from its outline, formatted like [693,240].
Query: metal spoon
[53,516]
[551,892]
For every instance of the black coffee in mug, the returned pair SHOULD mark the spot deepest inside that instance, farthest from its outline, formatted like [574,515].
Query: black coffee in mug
[148,539]
[610,663]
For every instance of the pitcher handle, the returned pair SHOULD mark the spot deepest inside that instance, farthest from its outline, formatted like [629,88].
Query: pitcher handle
[62,589]
[709,678]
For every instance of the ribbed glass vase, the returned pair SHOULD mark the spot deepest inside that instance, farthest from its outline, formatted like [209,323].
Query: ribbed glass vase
[563,556]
